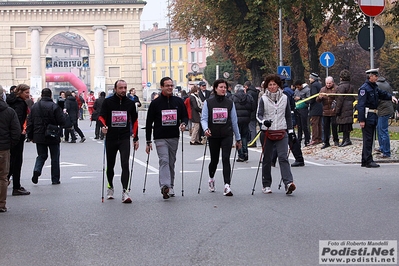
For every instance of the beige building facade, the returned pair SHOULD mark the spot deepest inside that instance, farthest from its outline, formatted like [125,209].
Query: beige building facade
[110,27]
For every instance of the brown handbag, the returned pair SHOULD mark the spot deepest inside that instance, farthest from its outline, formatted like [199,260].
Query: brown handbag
[275,134]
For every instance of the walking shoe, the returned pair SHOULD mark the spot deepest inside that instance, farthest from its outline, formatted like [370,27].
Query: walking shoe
[73,141]
[3,209]
[82,140]
[240,160]
[20,192]
[290,188]
[211,184]
[336,143]
[125,197]
[164,192]
[35,177]
[110,193]
[227,190]
[296,164]
[325,145]
[266,190]
[171,192]
[372,165]
[56,182]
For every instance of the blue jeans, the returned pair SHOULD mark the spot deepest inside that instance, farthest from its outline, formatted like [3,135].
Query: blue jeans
[41,158]
[383,135]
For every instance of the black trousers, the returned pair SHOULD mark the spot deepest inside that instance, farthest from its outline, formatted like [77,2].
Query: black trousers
[16,159]
[214,147]
[112,147]
[368,135]
[328,126]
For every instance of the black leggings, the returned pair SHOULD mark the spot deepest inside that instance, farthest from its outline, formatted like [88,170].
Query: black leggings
[112,147]
[214,147]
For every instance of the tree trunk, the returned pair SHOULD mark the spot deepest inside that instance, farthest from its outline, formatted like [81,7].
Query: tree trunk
[256,72]
[297,68]
[313,50]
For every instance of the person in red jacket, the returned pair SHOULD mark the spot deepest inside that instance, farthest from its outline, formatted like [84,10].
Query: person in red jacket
[90,102]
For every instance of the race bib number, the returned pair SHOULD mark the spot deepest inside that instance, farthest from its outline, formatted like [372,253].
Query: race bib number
[219,115]
[169,117]
[118,119]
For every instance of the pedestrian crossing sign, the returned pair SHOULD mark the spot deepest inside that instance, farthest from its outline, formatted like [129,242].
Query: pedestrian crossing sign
[284,71]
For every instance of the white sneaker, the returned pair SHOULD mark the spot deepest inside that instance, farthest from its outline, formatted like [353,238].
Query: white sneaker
[290,188]
[266,190]
[171,192]
[125,197]
[110,193]
[227,190]
[211,184]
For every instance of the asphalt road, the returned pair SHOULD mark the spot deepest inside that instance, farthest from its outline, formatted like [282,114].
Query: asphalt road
[69,225]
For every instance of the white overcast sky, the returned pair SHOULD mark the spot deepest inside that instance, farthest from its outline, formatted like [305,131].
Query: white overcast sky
[154,11]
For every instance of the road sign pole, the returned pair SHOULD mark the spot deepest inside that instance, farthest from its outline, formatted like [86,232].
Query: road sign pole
[371,43]
[326,71]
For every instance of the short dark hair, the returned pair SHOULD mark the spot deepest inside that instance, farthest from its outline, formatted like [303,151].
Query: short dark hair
[116,82]
[46,92]
[102,94]
[165,79]
[298,83]
[217,82]
[247,83]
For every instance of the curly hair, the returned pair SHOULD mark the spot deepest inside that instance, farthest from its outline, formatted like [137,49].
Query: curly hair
[272,77]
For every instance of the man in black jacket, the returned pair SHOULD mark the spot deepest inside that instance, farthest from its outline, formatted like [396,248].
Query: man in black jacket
[245,105]
[169,115]
[45,112]
[251,90]
[119,117]
[10,132]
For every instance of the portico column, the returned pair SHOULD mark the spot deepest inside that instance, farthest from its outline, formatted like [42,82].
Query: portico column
[99,78]
[36,68]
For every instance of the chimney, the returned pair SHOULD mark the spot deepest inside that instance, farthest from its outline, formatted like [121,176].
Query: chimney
[155,26]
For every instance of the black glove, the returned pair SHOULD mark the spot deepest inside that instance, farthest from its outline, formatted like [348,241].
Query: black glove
[267,123]
[292,137]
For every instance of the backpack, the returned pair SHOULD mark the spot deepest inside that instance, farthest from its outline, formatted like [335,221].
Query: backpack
[188,106]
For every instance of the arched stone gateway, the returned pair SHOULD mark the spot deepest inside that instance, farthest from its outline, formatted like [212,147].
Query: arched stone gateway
[110,27]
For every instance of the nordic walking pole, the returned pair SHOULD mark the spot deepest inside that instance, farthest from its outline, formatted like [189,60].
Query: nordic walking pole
[103,187]
[202,168]
[131,170]
[260,161]
[182,172]
[232,168]
[146,170]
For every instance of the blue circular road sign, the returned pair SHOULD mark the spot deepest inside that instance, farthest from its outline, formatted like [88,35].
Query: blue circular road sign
[327,59]
[148,84]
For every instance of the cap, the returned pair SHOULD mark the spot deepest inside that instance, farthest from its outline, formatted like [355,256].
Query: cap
[202,83]
[282,77]
[373,71]
[313,76]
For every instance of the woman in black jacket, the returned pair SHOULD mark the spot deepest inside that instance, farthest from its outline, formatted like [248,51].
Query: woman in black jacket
[17,101]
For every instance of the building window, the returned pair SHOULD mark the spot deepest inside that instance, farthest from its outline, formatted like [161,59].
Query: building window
[180,75]
[65,51]
[180,53]
[20,40]
[154,56]
[200,57]
[163,55]
[192,57]
[163,73]
[113,38]
[21,73]
[154,77]
[192,42]
[56,50]
[200,43]
[114,72]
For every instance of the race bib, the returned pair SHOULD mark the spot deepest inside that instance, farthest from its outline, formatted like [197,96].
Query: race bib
[219,115]
[169,117]
[118,119]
